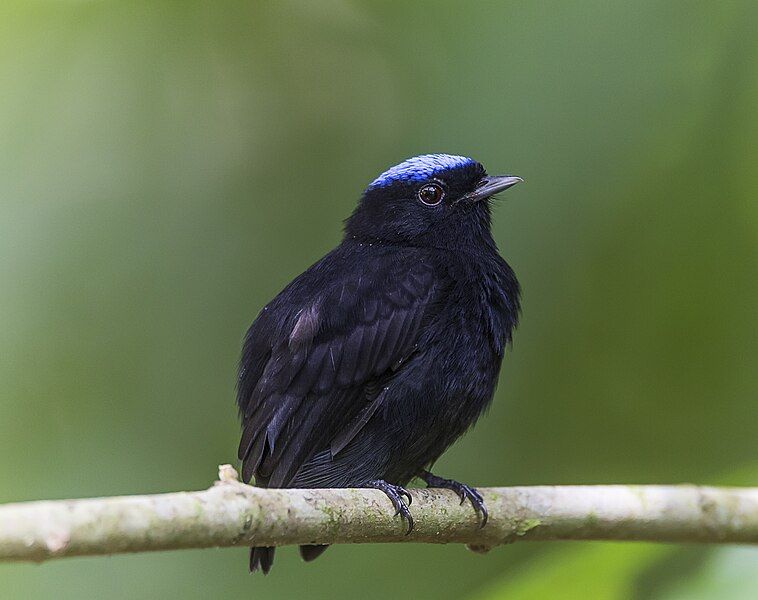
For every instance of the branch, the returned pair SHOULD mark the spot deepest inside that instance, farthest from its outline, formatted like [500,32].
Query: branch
[233,514]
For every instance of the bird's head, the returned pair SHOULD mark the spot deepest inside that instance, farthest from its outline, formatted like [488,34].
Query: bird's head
[432,199]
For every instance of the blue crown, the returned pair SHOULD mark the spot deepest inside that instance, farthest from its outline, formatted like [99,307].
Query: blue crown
[421,167]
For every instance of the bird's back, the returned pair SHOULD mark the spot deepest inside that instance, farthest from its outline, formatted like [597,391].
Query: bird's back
[320,352]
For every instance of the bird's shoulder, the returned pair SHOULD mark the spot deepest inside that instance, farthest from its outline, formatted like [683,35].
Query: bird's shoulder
[355,283]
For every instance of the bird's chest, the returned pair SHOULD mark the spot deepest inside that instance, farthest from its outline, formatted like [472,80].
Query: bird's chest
[467,339]
[452,377]
[467,343]
[479,308]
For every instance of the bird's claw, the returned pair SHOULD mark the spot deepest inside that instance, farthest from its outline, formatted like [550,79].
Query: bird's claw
[396,493]
[463,491]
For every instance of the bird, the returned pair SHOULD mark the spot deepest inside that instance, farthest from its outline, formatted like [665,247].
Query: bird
[365,368]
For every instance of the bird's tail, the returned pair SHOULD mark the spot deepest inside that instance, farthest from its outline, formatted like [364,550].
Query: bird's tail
[312,551]
[261,557]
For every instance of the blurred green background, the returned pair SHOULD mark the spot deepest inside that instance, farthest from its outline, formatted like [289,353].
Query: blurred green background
[166,167]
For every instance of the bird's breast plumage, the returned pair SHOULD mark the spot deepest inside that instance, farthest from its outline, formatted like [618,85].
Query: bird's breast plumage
[451,379]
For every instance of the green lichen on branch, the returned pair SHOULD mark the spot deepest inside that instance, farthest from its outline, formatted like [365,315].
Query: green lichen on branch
[526,526]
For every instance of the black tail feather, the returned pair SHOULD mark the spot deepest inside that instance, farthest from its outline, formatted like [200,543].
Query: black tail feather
[261,557]
[312,552]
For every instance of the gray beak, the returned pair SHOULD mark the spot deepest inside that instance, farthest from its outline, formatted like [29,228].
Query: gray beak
[489,186]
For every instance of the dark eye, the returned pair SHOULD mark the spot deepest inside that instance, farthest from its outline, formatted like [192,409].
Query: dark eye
[431,194]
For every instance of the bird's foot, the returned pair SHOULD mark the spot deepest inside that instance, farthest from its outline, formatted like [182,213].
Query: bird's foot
[464,492]
[395,493]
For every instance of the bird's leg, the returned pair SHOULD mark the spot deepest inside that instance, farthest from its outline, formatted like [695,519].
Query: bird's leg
[463,491]
[395,493]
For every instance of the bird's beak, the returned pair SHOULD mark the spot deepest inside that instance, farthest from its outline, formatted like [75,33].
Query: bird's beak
[489,186]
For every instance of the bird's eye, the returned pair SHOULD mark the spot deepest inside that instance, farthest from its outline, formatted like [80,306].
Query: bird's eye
[431,194]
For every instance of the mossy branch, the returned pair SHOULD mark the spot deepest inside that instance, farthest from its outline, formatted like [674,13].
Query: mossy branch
[233,514]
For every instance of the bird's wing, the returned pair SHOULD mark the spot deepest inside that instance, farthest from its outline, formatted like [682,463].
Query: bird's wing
[309,374]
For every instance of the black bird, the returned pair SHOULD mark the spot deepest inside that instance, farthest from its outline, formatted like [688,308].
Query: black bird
[366,367]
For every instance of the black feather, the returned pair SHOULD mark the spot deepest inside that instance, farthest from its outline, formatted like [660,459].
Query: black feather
[312,552]
[261,558]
